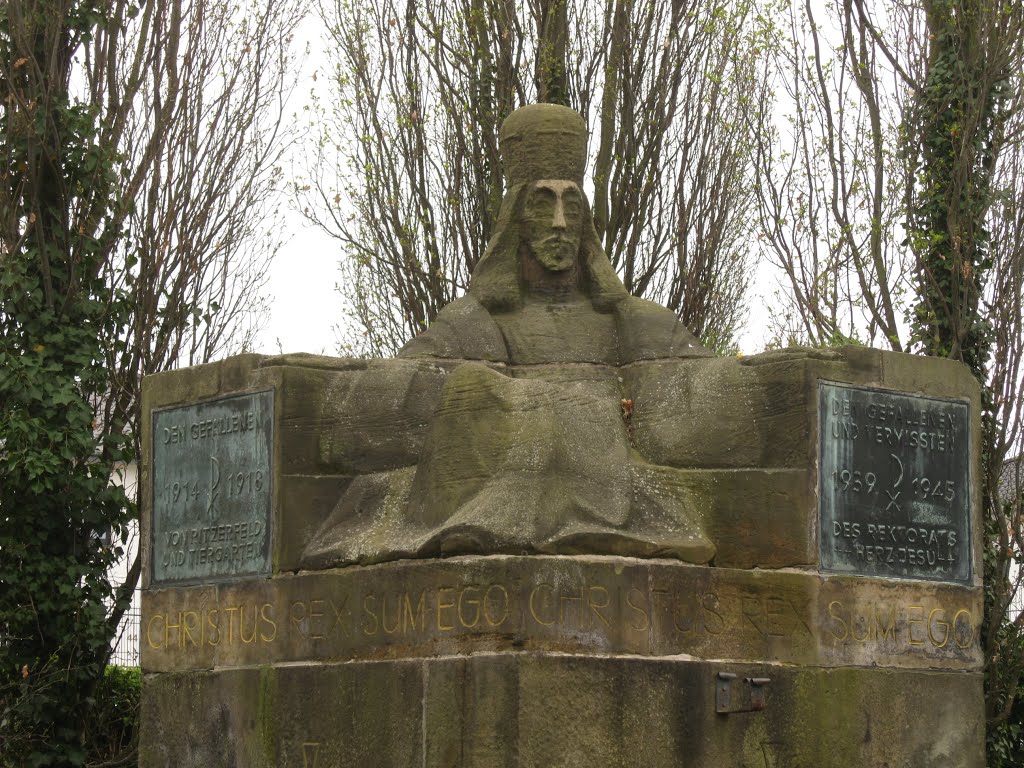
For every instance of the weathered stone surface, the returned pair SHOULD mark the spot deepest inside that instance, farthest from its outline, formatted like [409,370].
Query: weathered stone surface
[569,605]
[308,717]
[544,291]
[647,332]
[305,502]
[352,421]
[320,362]
[380,421]
[563,332]
[543,141]
[201,382]
[759,411]
[756,518]
[517,465]
[367,525]
[501,710]
[719,413]
[463,330]
[936,376]
[743,424]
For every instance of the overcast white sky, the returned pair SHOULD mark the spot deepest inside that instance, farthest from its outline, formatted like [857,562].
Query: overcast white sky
[304,304]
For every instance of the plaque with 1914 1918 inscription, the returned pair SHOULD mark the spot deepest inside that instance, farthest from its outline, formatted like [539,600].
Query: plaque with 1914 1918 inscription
[212,489]
[894,484]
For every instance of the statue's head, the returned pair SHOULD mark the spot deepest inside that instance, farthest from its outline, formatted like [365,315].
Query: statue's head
[545,231]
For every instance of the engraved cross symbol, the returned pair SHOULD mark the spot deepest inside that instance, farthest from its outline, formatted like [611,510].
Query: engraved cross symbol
[892,501]
[896,484]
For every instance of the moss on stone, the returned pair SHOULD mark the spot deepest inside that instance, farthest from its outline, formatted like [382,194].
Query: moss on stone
[267,714]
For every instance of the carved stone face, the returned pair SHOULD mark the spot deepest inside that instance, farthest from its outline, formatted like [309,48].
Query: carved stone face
[552,223]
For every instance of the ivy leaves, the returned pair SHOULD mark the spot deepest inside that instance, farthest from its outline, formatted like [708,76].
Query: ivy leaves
[58,508]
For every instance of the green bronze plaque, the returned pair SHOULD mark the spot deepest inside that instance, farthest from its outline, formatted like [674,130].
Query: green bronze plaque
[212,489]
[894,484]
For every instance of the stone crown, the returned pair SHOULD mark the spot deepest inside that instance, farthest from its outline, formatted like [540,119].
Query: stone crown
[543,141]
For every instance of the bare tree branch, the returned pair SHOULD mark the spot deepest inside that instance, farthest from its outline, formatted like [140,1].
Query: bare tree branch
[422,90]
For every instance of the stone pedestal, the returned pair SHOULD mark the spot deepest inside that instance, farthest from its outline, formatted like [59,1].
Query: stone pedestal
[778,653]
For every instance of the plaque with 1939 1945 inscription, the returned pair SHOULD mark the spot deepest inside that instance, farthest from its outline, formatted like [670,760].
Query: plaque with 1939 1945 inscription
[212,489]
[894,484]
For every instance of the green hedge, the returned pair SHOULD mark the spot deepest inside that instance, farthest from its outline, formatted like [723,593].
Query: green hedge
[112,728]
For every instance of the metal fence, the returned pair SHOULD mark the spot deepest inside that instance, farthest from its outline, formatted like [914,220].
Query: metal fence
[1011,490]
[1016,605]
[126,641]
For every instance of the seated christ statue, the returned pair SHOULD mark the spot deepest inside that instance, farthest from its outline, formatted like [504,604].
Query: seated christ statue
[531,449]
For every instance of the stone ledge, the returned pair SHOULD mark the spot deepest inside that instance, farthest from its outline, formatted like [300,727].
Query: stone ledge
[573,605]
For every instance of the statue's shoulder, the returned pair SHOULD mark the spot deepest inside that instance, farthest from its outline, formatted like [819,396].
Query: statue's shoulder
[463,330]
[648,331]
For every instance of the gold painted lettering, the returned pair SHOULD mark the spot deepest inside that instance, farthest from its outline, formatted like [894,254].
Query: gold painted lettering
[230,611]
[168,626]
[689,618]
[441,606]
[657,595]
[310,754]
[752,613]
[409,617]
[241,625]
[911,621]
[384,615]
[489,602]
[544,603]
[270,621]
[801,613]
[468,597]
[866,620]
[211,622]
[970,625]
[644,620]
[186,629]
[833,609]
[884,630]
[932,623]
[149,631]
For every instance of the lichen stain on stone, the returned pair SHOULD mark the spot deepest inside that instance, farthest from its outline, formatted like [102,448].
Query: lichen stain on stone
[267,712]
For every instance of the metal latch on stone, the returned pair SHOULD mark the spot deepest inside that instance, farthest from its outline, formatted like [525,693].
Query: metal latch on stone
[735,695]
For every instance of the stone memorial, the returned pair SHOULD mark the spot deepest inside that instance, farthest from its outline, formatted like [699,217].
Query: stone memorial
[556,531]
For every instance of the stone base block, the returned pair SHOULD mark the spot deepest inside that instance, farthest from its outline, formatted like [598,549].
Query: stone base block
[539,710]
